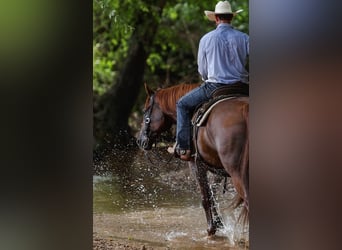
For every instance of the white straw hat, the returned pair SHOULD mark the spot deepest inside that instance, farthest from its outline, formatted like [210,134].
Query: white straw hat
[222,7]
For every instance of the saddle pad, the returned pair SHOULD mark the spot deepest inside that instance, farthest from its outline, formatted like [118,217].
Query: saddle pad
[207,112]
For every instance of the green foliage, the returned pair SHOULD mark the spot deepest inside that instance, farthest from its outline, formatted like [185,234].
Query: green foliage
[172,57]
[110,35]
[241,20]
[103,73]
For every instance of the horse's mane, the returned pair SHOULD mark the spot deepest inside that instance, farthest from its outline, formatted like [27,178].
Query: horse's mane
[167,98]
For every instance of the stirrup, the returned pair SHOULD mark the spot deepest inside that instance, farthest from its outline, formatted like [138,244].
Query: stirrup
[183,154]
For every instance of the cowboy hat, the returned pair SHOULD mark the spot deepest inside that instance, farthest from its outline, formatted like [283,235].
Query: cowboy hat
[222,7]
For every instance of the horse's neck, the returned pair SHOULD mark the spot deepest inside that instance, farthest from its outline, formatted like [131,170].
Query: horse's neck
[168,106]
[169,97]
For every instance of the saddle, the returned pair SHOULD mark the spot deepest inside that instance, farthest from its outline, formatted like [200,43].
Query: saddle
[236,89]
[221,94]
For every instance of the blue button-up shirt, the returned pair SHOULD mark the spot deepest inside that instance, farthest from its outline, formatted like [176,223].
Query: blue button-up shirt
[222,55]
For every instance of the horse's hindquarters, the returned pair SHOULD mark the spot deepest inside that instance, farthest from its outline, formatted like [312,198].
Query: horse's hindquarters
[223,144]
[222,139]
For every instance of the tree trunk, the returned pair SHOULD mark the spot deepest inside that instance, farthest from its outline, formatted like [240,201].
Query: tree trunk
[111,127]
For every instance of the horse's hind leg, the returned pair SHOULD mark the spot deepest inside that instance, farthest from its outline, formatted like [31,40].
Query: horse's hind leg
[207,202]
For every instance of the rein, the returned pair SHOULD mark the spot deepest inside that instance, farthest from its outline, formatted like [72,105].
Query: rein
[160,159]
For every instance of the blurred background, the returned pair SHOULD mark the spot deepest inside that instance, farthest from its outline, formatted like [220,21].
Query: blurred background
[137,42]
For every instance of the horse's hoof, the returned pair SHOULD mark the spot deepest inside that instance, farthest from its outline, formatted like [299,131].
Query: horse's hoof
[211,237]
[211,232]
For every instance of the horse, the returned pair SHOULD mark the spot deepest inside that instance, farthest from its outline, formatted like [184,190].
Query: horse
[221,142]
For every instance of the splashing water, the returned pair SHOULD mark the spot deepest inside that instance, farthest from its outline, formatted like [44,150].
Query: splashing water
[161,207]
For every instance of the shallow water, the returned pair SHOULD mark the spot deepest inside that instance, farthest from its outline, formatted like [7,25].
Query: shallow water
[159,205]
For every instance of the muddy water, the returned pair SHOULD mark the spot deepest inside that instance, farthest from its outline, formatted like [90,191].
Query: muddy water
[157,205]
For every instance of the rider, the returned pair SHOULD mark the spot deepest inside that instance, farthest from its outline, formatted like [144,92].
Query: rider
[222,57]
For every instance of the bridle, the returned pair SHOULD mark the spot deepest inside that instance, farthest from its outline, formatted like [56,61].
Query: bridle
[147,133]
[147,118]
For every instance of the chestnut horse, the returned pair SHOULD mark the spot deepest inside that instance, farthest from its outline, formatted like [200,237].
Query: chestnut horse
[221,143]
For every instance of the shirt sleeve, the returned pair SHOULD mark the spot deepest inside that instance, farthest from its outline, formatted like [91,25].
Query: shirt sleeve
[247,44]
[202,61]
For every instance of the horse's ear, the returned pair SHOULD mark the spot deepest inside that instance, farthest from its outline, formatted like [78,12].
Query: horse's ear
[148,90]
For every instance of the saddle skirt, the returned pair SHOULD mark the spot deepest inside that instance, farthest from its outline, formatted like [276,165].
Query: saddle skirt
[202,113]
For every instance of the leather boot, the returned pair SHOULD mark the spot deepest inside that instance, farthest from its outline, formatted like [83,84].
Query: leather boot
[184,154]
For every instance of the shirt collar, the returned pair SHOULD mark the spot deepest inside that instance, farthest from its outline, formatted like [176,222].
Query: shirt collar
[224,25]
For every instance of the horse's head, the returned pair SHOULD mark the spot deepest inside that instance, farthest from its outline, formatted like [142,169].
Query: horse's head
[154,121]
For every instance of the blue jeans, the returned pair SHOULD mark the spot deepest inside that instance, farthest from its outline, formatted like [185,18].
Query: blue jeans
[186,105]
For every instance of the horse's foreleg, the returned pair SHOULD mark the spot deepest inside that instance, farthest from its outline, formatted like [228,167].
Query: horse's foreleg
[207,203]
[214,190]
